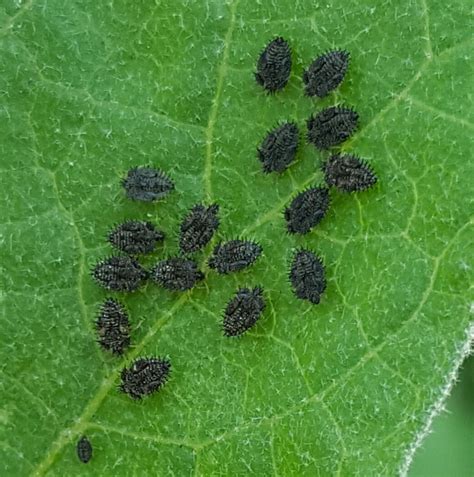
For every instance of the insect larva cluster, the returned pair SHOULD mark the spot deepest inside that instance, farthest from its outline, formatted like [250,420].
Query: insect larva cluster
[326,130]
[125,272]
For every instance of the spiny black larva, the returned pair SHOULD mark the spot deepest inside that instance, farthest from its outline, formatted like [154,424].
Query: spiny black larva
[84,449]
[113,327]
[234,255]
[135,237]
[348,173]
[198,227]
[147,184]
[307,276]
[177,274]
[243,311]
[274,65]
[145,376]
[306,210]
[326,73]
[119,273]
[332,126]
[278,149]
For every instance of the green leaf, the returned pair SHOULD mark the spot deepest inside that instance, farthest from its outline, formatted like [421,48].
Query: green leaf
[91,88]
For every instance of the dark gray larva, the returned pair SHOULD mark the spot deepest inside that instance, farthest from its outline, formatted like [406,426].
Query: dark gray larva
[278,149]
[243,311]
[198,227]
[307,276]
[306,210]
[177,274]
[274,65]
[119,273]
[84,449]
[145,376]
[332,126]
[113,327]
[234,255]
[135,237]
[348,173]
[147,184]
[326,73]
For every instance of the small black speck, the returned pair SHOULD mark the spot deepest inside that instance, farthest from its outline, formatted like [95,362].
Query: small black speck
[84,449]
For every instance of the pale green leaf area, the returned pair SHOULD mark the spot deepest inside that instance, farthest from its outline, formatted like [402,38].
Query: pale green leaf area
[89,89]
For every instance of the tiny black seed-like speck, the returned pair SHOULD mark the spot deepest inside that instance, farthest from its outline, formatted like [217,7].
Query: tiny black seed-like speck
[274,65]
[119,273]
[326,73]
[84,449]
[147,184]
[113,327]
[278,149]
[177,274]
[145,376]
[135,237]
[234,255]
[307,276]
[332,126]
[348,173]
[306,210]
[198,227]
[243,311]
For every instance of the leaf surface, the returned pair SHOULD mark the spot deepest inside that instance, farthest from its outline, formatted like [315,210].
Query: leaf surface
[89,89]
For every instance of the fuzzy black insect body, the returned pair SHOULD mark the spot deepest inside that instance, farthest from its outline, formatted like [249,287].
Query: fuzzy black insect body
[135,237]
[243,311]
[84,449]
[177,274]
[234,255]
[278,149]
[198,227]
[145,376]
[119,273]
[113,327]
[348,173]
[274,65]
[147,184]
[306,210]
[326,73]
[307,276]
[332,126]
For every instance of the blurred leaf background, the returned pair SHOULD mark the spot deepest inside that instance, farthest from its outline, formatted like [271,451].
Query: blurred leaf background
[449,450]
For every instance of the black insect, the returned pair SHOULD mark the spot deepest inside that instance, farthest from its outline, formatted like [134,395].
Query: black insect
[348,173]
[113,327]
[135,237]
[119,273]
[145,376]
[243,311]
[147,184]
[332,126]
[198,227]
[84,449]
[177,274]
[307,276]
[326,73]
[279,147]
[274,65]
[234,255]
[306,210]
